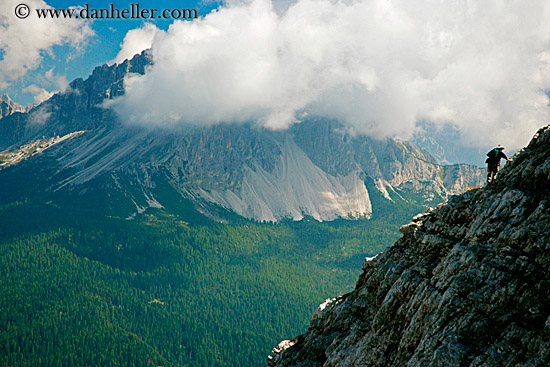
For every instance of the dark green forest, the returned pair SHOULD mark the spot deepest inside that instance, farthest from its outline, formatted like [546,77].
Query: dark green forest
[79,289]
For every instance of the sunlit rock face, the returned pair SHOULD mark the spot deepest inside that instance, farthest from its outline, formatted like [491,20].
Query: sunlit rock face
[466,285]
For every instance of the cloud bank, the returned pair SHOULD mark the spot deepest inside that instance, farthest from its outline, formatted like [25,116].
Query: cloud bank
[24,42]
[135,41]
[380,66]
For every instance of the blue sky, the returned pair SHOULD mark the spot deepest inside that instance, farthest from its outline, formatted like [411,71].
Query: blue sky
[65,62]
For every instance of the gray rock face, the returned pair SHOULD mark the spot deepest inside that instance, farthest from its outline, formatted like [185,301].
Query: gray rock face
[468,284]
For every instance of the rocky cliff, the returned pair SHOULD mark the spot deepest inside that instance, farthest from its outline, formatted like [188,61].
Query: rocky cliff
[468,284]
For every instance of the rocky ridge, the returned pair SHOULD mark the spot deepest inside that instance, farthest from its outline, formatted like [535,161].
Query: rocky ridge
[468,284]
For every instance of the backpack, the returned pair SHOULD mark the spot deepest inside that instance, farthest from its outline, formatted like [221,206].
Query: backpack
[493,153]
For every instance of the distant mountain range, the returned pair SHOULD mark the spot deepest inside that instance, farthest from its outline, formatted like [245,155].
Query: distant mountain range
[444,143]
[316,168]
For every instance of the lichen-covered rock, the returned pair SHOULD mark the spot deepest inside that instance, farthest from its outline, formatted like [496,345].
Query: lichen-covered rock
[468,284]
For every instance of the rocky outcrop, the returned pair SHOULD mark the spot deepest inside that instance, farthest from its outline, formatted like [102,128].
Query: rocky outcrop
[8,107]
[468,284]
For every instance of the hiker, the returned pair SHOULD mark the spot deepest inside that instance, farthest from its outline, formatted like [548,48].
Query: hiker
[493,162]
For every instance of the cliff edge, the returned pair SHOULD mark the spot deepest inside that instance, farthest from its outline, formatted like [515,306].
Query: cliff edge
[468,284]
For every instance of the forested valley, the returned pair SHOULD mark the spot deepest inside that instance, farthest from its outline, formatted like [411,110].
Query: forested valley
[78,289]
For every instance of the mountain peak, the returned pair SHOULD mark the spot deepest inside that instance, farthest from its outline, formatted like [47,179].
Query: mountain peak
[7,106]
[466,285]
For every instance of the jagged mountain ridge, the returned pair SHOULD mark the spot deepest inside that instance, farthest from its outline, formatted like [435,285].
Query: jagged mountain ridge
[447,144]
[466,285]
[315,168]
[78,108]
[8,107]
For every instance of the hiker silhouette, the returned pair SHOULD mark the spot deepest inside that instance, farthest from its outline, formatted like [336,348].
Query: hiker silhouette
[493,162]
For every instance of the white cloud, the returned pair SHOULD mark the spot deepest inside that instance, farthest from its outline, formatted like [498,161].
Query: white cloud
[135,41]
[40,94]
[50,80]
[40,115]
[59,81]
[378,65]
[23,42]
